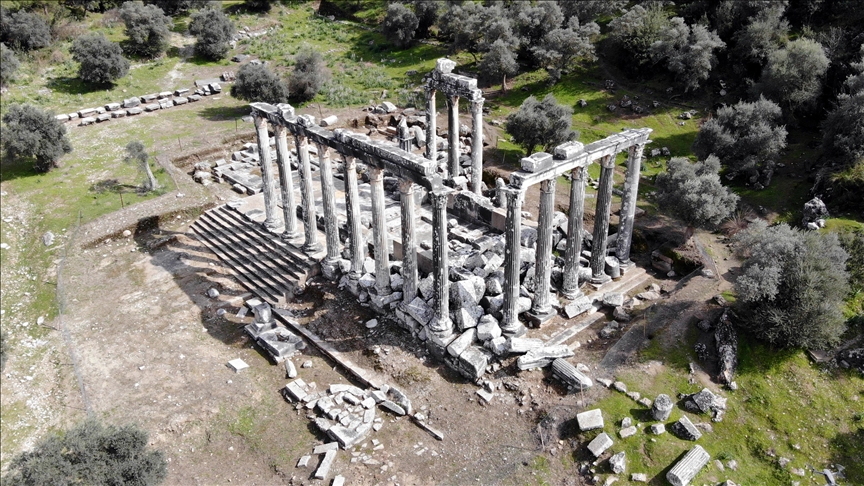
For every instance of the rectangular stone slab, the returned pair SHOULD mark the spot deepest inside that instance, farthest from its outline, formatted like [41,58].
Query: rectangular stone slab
[600,443]
[590,420]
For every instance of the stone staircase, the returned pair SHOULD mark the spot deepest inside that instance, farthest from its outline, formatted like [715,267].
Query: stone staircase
[266,265]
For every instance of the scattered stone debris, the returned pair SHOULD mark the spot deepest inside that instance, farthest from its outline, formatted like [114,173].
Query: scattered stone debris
[599,445]
[684,429]
[237,365]
[815,213]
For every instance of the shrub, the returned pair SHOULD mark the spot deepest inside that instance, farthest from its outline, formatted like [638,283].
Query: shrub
[308,76]
[174,7]
[147,28]
[90,453]
[101,60]
[29,132]
[399,25]
[213,31]
[257,83]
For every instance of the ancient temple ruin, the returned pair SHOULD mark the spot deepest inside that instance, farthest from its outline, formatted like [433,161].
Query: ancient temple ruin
[481,270]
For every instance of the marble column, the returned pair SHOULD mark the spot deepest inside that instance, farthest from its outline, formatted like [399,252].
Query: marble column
[269,190]
[453,135]
[441,325]
[601,221]
[570,287]
[431,129]
[628,206]
[286,182]
[541,307]
[476,145]
[355,230]
[409,242]
[379,230]
[307,193]
[329,266]
[510,324]
[405,139]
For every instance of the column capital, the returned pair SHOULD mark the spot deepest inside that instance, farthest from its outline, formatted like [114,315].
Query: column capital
[607,162]
[439,196]
[260,120]
[406,187]
[323,150]
[430,92]
[548,186]
[477,104]
[375,173]
[578,174]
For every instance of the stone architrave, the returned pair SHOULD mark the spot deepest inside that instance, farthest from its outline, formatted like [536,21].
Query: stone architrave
[431,129]
[601,221]
[266,173]
[441,324]
[453,135]
[286,182]
[570,287]
[379,230]
[628,206]
[541,308]
[409,242]
[477,145]
[352,205]
[331,221]
[510,324]
[307,194]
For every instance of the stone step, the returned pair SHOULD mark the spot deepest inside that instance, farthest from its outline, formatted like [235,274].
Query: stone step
[566,335]
[255,271]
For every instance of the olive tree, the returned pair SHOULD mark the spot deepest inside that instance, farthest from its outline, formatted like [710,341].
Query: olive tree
[213,31]
[400,25]
[693,193]
[746,137]
[137,156]
[309,74]
[255,82]
[498,63]
[843,128]
[563,46]
[688,51]
[793,76]
[762,35]
[101,61]
[8,64]
[29,132]
[147,28]
[634,32]
[544,123]
[792,285]
[174,7]
[24,30]
[90,453]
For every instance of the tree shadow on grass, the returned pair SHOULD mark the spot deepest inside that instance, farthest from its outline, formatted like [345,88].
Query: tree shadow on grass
[17,168]
[223,113]
[848,449]
[69,85]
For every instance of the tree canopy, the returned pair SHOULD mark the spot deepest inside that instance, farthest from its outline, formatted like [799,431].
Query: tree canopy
[400,25]
[90,453]
[213,31]
[308,76]
[33,133]
[255,82]
[688,51]
[563,46]
[544,123]
[746,137]
[793,76]
[792,285]
[498,63]
[23,30]
[174,7]
[101,61]
[147,28]
[693,193]
[634,32]
[843,128]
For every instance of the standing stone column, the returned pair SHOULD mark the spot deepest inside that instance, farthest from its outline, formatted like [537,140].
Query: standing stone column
[355,230]
[628,206]
[601,221]
[441,325]
[379,230]
[266,173]
[453,135]
[476,145]
[541,308]
[510,324]
[405,139]
[570,288]
[286,182]
[431,129]
[329,266]
[307,194]
[409,243]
